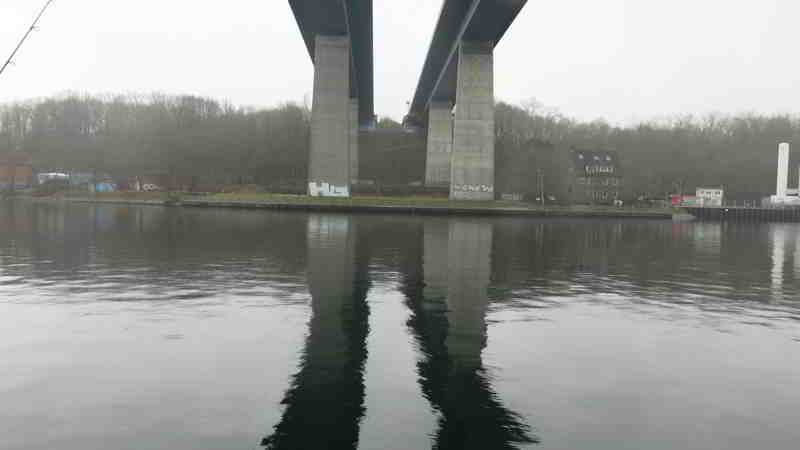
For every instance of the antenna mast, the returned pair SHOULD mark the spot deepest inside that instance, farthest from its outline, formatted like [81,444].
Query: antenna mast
[27,33]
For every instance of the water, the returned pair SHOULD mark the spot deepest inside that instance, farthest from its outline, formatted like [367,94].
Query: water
[152,328]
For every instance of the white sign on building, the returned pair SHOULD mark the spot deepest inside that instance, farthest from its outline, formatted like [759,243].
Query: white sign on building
[710,196]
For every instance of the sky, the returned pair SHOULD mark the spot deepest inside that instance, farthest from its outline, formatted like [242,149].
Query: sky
[620,60]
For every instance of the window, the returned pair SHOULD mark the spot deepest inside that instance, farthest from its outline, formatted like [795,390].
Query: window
[608,158]
[596,158]
[580,155]
[581,180]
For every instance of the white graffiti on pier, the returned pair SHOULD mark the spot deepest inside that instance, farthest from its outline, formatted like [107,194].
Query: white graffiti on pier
[323,189]
[473,187]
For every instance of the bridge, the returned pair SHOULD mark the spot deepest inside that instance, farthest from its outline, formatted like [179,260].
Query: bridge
[458,75]
[338,36]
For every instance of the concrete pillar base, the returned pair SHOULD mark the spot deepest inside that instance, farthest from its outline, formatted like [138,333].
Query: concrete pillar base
[472,164]
[440,144]
[329,159]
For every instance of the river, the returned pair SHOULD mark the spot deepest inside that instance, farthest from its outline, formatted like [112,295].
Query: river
[144,327]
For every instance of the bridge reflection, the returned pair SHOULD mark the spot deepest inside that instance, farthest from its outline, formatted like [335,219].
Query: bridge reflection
[449,302]
[170,262]
[785,240]
[325,402]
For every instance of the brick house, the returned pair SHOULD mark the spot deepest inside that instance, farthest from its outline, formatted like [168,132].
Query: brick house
[594,176]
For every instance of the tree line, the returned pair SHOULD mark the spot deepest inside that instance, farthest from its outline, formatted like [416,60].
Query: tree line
[131,135]
[737,152]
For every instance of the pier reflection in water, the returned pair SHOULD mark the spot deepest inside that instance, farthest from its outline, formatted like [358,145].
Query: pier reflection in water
[449,324]
[192,329]
[325,404]
[785,259]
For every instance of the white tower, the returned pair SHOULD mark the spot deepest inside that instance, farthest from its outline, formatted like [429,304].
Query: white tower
[783,170]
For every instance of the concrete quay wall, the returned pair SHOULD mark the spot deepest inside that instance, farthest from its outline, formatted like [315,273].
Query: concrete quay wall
[358,207]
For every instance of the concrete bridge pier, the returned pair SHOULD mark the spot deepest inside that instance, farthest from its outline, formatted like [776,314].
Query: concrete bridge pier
[440,144]
[472,174]
[331,128]
[353,141]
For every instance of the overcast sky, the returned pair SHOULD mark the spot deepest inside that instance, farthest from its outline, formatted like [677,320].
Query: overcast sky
[623,60]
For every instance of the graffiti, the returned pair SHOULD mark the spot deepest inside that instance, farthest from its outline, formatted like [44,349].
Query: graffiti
[473,187]
[323,189]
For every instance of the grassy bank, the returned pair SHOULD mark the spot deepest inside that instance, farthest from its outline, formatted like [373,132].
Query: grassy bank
[121,195]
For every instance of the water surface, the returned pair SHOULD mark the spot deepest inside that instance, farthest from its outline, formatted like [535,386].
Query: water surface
[148,327]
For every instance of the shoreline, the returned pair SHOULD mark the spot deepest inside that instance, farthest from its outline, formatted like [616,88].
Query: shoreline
[365,206]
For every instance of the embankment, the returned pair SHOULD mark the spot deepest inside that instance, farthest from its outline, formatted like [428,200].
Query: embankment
[383,205]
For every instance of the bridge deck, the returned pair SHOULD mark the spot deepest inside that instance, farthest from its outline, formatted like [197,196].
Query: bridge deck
[474,20]
[340,18]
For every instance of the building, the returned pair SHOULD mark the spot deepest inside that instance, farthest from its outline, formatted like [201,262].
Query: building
[540,171]
[594,177]
[710,196]
[16,171]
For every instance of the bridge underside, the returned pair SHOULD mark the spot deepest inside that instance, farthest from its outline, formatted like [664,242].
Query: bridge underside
[338,36]
[458,74]
[351,18]
[459,20]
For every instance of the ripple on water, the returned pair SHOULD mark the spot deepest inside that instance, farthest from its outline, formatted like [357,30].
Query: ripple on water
[676,299]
